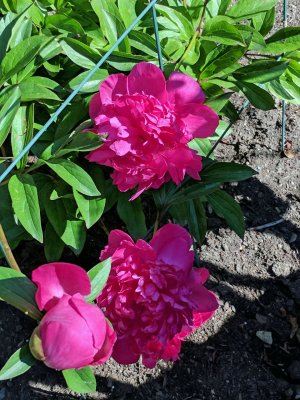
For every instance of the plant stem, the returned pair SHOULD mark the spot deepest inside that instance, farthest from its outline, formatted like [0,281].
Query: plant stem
[7,251]
[156,223]
[104,227]
[194,38]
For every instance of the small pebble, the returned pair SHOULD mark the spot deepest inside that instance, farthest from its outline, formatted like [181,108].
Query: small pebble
[294,370]
[265,336]
[281,269]
[293,238]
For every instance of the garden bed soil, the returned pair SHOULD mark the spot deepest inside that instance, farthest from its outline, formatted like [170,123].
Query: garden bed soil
[250,349]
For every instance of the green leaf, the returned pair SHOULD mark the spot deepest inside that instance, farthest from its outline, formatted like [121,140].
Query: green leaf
[18,291]
[69,229]
[80,380]
[7,25]
[21,55]
[14,233]
[131,212]
[125,62]
[226,172]
[22,132]
[98,276]
[25,203]
[92,84]
[177,20]
[222,61]
[20,362]
[90,208]
[8,112]
[79,141]
[284,40]
[53,245]
[220,29]
[261,71]
[197,220]
[31,90]
[111,22]
[264,22]
[244,9]
[80,53]
[225,205]
[74,175]
[22,30]
[127,11]
[64,23]
[257,96]
[202,146]
[144,43]
[194,191]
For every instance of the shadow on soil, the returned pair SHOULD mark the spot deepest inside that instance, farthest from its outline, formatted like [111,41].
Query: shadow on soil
[229,364]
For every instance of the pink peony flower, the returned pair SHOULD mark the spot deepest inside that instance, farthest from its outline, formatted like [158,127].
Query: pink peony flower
[73,333]
[154,297]
[148,123]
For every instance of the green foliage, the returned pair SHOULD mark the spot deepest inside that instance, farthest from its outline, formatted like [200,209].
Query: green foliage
[80,380]
[48,47]
[19,363]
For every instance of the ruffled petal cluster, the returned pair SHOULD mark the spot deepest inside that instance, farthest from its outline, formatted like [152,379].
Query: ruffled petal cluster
[73,333]
[146,123]
[154,297]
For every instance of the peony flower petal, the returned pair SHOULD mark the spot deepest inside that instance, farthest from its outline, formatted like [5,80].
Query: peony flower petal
[106,350]
[125,351]
[147,78]
[115,239]
[57,279]
[172,244]
[94,319]
[112,86]
[66,341]
[182,89]
[200,120]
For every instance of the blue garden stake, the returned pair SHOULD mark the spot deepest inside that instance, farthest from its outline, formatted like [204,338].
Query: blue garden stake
[76,91]
[158,47]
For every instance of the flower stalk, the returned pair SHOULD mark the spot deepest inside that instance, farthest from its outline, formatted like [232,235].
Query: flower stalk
[7,251]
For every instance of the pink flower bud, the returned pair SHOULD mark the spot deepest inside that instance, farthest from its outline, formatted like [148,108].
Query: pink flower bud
[73,334]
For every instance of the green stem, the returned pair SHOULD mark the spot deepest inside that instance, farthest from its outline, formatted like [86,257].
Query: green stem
[194,38]
[7,251]
[156,223]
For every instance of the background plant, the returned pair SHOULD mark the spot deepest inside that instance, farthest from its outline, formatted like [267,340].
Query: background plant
[48,47]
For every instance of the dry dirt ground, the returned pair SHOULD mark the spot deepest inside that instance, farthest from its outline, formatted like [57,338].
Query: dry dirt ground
[257,281]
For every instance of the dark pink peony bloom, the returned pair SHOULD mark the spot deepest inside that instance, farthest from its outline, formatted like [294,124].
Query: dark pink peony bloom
[149,122]
[73,333]
[154,297]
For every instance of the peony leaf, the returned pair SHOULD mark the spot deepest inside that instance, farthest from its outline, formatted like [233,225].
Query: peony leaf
[20,56]
[24,195]
[80,380]
[244,9]
[98,276]
[17,290]
[226,207]
[8,113]
[74,175]
[226,172]
[91,208]
[257,96]
[20,362]
[131,212]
